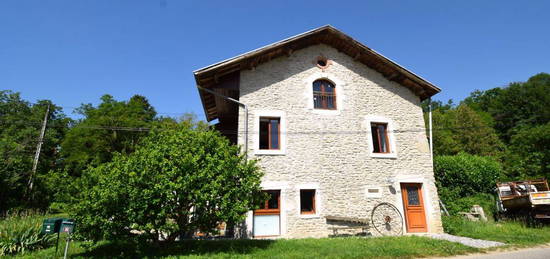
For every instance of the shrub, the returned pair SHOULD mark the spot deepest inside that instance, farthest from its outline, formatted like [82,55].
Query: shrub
[177,181]
[461,176]
[485,200]
[19,234]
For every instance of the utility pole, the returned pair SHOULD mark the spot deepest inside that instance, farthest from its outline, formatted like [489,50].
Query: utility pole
[37,154]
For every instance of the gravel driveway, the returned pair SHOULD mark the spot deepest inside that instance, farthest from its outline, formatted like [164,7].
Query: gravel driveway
[529,253]
[477,243]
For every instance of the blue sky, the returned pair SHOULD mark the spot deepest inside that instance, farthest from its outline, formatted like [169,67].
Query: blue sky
[73,52]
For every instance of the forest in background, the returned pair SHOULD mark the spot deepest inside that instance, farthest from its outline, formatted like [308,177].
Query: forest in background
[494,135]
[498,134]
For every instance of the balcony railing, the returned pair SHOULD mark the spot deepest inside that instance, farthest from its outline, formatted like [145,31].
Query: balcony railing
[324,100]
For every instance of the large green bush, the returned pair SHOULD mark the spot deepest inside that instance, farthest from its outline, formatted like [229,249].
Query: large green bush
[461,176]
[485,200]
[177,181]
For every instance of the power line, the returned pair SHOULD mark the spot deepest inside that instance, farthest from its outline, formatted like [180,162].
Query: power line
[230,131]
[134,128]
[142,129]
[77,107]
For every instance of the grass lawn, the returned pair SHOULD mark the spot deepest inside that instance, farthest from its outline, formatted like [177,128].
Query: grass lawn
[351,247]
[512,233]
[509,232]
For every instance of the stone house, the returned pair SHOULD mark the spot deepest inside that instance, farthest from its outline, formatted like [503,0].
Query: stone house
[337,129]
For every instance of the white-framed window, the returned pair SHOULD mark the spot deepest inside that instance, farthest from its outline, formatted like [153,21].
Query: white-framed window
[381,137]
[267,219]
[269,133]
[308,199]
[324,93]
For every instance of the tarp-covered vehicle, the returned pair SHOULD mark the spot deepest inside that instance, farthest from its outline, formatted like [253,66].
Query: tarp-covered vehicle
[527,199]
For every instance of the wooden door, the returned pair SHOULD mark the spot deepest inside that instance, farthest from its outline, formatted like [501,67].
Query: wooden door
[413,204]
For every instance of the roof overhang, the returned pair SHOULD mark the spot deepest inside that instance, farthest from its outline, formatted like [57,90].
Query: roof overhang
[210,76]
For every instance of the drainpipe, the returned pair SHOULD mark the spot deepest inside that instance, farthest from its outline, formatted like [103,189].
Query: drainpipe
[245,114]
[430,126]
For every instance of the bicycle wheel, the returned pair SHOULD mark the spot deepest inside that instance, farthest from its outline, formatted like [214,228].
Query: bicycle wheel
[387,220]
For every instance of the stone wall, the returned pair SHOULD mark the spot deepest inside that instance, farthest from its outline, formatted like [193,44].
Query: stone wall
[329,150]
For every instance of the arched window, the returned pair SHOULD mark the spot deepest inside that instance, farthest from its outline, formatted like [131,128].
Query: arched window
[324,95]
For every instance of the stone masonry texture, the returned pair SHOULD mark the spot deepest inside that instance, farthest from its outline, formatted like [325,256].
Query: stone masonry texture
[331,149]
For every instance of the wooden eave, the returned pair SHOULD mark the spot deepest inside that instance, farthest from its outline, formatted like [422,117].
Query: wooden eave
[209,76]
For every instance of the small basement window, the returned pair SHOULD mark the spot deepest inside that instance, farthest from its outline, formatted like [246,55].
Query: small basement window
[270,133]
[307,201]
[380,140]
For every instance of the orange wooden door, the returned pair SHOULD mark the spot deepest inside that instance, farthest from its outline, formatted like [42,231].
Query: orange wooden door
[415,216]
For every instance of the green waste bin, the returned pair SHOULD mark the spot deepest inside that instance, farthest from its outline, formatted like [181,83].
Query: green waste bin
[51,225]
[67,226]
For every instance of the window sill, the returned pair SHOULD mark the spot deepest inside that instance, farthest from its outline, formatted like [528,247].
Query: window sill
[383,155]
[309,216]
[267,152]
[325,111]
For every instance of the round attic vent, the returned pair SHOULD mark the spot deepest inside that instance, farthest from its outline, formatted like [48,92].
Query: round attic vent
[322,62]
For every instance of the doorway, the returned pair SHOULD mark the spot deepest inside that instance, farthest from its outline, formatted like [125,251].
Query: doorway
[268,217]
[413,205]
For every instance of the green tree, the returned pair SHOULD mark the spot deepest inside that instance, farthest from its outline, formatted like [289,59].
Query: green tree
[461,129]
[515,106]
[112,126]
[20,128]
[529,153]
[179,179]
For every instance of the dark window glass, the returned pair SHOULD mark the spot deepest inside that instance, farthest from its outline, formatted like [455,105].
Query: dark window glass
[274,124]
[273,202]
[412,195]
[264,134]
[269,133]
[375,138]
[307,201]
[324,95]
[380,138]
[271,206]
[316,86]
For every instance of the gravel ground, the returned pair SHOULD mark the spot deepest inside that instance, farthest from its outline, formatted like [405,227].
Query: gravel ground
[477,243]
[530,253]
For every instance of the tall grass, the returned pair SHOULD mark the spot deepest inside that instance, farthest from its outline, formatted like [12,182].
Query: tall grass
[20,233]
